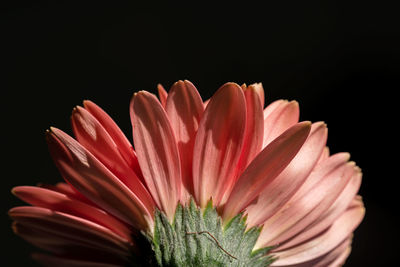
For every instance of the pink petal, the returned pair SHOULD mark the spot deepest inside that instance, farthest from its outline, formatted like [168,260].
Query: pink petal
[259,90]
[91,135]
[325,155]
[325,242]
[333,258]
[157,151]
[340,259]
[278,118]
[206,103]
[162,94]
[274,106]
[306,207]
[49,199]
[279,191]
[218,144]
[50,241]
[90,177]
[265,168]
[51,261]
[54,227]
[184,108]
[330,215]
[120,140]
[253,136]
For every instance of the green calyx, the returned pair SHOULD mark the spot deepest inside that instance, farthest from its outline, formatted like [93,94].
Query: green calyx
[198,238]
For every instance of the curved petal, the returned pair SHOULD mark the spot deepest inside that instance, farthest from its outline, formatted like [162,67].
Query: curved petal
[258,88]
[44,226]
[279,191]
[218,144]
[325,154]
[334,258]
[265,168]
[253,136]
[67,189]
[91,178]
[303,209]
[314,248]
[184,108]
[330,215]
[157,151]
[91,135]
[278,118]
[120,140]
[49,199]
[162,94]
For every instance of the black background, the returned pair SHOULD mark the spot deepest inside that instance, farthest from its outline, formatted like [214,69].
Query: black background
[340,61]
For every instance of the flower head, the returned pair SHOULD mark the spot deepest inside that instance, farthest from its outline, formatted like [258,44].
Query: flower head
[227,168]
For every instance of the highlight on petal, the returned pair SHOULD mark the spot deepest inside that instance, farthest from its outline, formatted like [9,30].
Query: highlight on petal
[162,94]
[278,117]
[90,177]
[157,151]
[305,207]
[258,88]
[218,144]
[184,108]
[279,191]
[331,214]
[253,136]
[118,137]
[265,168]
[94,137]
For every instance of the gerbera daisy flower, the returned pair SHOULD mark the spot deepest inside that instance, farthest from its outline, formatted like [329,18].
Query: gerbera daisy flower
[224,182]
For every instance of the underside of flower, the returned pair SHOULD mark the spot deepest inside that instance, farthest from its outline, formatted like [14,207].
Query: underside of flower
[199,238]
[221,182]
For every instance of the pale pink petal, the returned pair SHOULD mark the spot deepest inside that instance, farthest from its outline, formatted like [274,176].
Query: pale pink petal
[265,168]
[57,226]
[333,258]
[341,259]
[162,94]
[49,199]
[218,144]
[318,246]
[51,261]
[280,117]
[91,178]
[157,151]
[304,208]
[279,191]
[330,165]
[122,143]
[94,137]
[274,106]
[325,154]
[330,215]
[184,108]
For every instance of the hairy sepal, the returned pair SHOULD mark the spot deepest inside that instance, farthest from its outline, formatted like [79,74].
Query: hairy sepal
[198,238]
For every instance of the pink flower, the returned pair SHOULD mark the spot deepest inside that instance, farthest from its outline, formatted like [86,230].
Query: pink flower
[230,150]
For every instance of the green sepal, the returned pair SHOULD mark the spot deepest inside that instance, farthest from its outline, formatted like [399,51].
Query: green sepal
[198,238]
